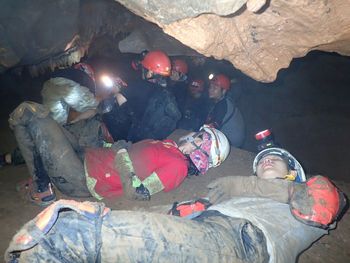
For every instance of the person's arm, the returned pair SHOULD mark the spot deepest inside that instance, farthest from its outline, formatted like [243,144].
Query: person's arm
[166,177]
[75,116]
[216,116]
[249,186]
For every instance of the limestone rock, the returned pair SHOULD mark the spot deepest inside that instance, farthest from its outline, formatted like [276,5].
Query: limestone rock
[259,44]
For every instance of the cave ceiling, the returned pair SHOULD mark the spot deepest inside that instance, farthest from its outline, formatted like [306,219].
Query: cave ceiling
[259,37]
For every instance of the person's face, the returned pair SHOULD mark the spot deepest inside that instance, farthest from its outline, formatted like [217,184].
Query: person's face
[215,91]
[148,74]
[196,91]
[188,147]
[271,166]
[175,75]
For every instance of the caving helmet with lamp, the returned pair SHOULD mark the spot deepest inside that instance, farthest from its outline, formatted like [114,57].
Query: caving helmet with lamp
[213,150]
[158,62]
[290,160]
[265,139]
[222,81]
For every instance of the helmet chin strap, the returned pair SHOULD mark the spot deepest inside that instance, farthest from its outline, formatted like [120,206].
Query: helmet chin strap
[291,176]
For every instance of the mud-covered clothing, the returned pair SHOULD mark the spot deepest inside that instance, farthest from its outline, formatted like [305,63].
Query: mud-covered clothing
[286,237]
[226,117]
[123,118]
[54,153]
[159,119]
[147,156]
[129,236]
[194,112]
[66,89]
[119,121]
[150,112]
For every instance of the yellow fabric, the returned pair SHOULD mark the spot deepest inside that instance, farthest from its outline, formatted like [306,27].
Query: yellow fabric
[90,183]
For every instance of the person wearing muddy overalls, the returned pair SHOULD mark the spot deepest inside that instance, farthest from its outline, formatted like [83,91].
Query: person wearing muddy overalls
[252,219]
[71,99]
[70,104]
[148,167]
[146,109]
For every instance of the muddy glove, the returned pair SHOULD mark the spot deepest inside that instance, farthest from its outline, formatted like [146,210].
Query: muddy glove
[248,186]
[142,193]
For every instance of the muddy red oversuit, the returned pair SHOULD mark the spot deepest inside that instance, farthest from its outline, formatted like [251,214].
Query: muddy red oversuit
[147,156]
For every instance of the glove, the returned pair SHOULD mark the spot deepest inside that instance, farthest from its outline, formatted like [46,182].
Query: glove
[106,105]
[249,186]
[121,144]
[142,193]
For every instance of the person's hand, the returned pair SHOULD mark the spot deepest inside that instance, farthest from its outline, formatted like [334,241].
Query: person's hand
[142,193]
[118,85]
[221,189]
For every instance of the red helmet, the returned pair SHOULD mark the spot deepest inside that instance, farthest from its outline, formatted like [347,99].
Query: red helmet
[87,69]
[198,84]
[158,62]
[222,81]
[180,65]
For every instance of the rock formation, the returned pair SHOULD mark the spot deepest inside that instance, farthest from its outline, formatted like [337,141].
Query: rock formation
[258,37]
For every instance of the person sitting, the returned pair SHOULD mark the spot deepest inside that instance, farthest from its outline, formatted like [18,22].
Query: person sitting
[179,70]
[146,168]
[251,219]
[72,98]
[193,106]
[145,107]
[225,115]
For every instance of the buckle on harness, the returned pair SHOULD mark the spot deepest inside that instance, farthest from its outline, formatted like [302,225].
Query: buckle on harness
[189,209]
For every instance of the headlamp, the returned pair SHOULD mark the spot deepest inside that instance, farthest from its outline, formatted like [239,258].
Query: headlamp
[107,81]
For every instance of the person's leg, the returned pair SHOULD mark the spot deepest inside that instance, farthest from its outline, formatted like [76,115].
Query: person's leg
[129,236]
[47,151]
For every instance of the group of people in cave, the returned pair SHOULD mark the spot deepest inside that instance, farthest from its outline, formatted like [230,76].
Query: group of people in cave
[89,139]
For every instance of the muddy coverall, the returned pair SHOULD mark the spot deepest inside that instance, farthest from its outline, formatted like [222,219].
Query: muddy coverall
[242,229]
[53,152]
[129,236]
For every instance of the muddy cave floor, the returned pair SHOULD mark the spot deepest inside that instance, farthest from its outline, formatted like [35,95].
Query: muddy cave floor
[16,211]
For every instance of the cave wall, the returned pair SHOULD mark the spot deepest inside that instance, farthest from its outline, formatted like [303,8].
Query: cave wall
[258,43]
[258,37]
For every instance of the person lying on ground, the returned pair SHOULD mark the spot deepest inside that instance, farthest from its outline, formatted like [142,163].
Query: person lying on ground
[142,170]
[252,219]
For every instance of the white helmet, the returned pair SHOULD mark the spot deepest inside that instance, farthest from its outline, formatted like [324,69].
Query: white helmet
[293,163]
[220,146]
